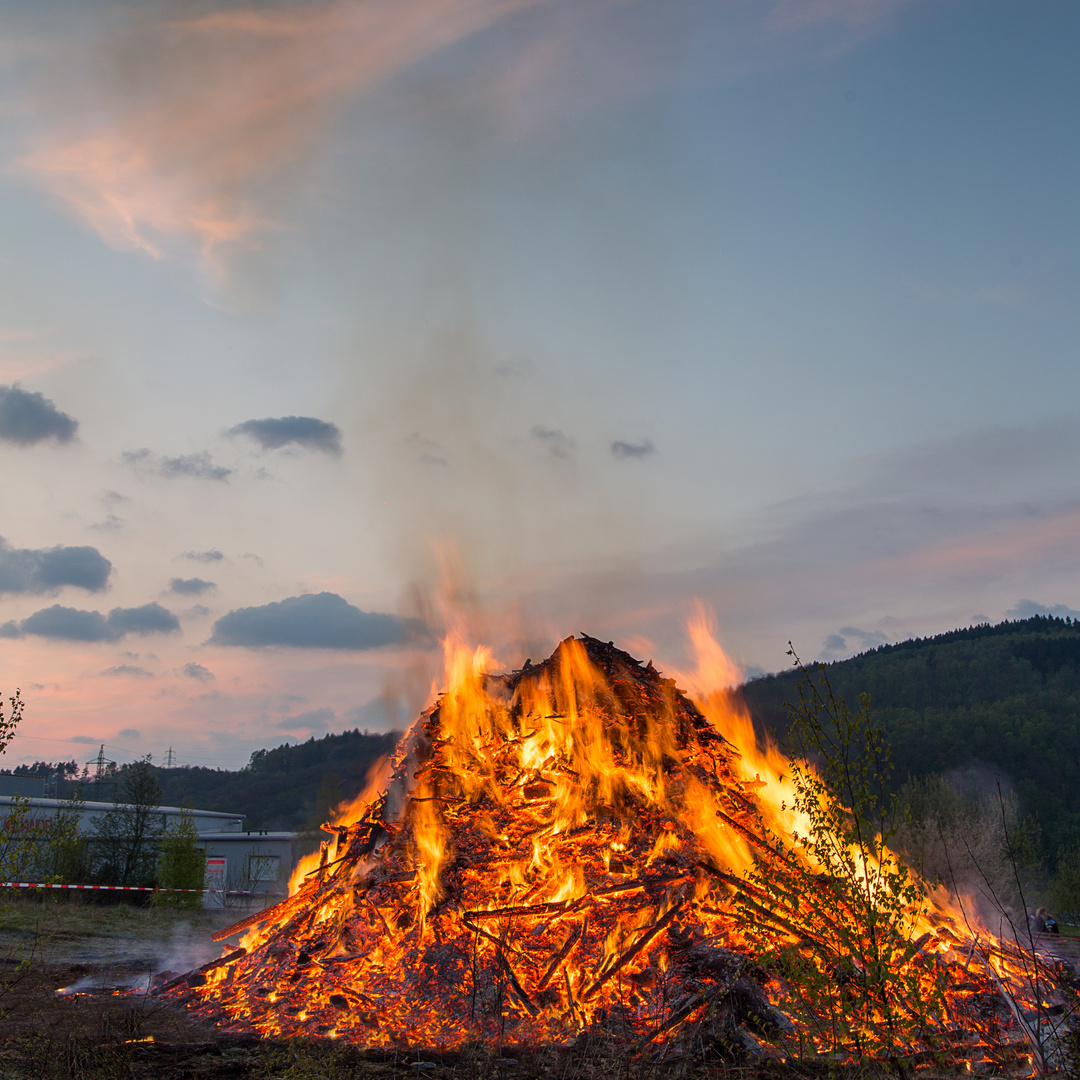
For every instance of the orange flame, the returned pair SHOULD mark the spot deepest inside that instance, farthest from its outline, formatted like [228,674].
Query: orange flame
[567,833]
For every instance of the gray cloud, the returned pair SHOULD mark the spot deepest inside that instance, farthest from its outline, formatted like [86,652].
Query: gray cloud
[28,417]
[383,713]
[305,431]
[313,621]
[851,640]
[28,570]
[129,733]
[148,619]
[129,671]
[426,451]
[626,450]
[1025,609]
[834,645]
[197,672]
[316,720]
[191,586]
[559,443]
[213,555]
[72,624]
[198,466]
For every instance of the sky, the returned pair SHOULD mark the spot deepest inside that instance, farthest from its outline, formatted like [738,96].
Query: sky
[328,325]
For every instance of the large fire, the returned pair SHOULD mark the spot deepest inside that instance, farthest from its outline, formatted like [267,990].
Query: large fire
[578,846]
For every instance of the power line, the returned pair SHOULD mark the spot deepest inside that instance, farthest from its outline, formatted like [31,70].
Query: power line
[189,758]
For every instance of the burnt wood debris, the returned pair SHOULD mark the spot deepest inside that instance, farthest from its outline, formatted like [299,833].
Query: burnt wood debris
[566,849]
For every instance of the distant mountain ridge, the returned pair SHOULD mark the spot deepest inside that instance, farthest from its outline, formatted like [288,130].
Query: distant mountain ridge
[1001,701]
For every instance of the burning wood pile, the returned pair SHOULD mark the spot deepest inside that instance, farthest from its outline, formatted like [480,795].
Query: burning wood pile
[577,847]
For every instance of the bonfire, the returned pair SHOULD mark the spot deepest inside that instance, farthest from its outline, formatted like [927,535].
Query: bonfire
[577,847]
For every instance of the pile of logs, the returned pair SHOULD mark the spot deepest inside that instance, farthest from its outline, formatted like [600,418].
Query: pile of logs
[533,870]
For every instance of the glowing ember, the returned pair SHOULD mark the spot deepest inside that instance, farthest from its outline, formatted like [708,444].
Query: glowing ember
[558,849]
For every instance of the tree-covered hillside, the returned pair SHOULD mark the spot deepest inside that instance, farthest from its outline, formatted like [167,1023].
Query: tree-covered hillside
[290,787]
[993,700]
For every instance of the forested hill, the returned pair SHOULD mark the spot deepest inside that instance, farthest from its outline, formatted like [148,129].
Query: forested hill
[290,787]
[1004,697]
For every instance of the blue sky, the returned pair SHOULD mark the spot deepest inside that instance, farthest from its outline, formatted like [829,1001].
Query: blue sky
[592,308]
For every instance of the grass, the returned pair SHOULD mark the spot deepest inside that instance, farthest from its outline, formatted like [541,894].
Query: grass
[76,916]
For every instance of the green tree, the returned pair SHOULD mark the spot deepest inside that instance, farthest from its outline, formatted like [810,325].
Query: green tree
[181,864]
[66,850]
[1065,888]
[124,840]
[831,908]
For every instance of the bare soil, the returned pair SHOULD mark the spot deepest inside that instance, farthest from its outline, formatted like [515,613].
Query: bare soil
[97,1033]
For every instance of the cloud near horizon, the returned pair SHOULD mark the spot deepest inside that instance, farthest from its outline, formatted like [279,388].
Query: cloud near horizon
[313,621]
[851,640]
[305,431]
[44,570]
[28,417]
[73,624]
[315,720]
[1025,609]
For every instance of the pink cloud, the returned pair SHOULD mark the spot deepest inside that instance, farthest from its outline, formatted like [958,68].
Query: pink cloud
[1045,540]
[788,15]
[166,126]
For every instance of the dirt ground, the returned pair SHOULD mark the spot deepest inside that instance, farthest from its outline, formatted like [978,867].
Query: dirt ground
[97,1033]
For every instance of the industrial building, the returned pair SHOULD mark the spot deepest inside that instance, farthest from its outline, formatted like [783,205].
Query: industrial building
[238,861]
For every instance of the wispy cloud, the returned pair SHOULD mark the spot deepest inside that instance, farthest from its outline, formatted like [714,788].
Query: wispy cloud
[128,671]
[198,466]
[166,131]
[558,443]
[629,450]
[174,118]
[211,556]
[790,15]
[915,542]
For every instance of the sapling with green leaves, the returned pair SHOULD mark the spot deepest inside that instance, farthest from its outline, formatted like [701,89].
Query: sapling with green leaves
[830,908]
[181,864]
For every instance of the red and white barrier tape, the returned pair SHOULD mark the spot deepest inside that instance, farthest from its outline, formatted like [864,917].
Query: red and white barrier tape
[122,888]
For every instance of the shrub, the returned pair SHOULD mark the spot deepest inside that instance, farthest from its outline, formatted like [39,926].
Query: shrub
[182,864]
